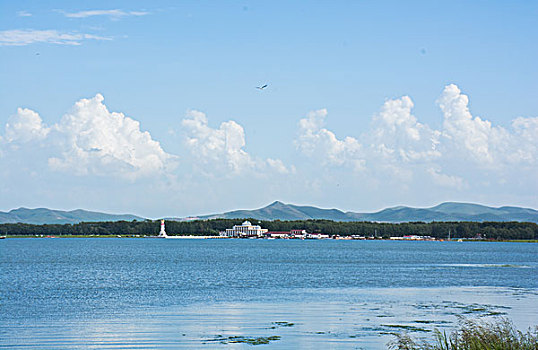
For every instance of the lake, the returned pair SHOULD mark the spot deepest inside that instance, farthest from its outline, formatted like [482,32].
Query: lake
[122,293]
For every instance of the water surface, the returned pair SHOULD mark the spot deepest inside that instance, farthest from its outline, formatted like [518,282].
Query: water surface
[150,293]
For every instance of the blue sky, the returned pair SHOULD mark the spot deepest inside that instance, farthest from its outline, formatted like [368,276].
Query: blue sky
[151,107]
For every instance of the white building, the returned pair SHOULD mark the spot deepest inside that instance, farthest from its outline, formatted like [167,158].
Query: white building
[246,229]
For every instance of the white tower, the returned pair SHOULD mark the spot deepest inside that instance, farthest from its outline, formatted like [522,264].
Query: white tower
[162,233]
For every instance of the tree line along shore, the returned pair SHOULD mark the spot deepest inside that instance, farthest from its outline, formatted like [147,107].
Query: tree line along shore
[438,230]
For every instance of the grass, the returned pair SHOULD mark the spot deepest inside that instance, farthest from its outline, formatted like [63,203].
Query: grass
[499,334]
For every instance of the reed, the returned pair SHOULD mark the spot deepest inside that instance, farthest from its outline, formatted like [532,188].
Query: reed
[474,335]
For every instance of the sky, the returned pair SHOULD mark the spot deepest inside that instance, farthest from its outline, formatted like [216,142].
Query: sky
[151,107]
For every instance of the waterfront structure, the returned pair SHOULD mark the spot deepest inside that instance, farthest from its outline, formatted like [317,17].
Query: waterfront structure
[278,234]
[316,236]
[162,233]
[293,234]
[246,229]
[413,238]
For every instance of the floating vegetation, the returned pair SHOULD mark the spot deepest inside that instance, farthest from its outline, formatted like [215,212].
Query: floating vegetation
[284,324]
[516,266]
[389,333]
[495,313]
[431,322]
[472,309]
[522,291]
[244,340]
[406,327]
[456,309]
[376,329]
[392,329]
[482,310]
[488,265]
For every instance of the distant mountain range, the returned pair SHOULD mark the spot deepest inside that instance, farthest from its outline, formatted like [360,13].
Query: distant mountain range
[449,211]
[48,216]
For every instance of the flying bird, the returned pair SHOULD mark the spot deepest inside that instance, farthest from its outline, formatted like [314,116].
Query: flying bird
[261,87]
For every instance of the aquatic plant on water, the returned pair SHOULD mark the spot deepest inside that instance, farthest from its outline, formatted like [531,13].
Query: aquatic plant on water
[244,340]
[474,335]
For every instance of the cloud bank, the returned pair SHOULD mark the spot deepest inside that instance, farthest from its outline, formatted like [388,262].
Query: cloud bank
[398,144]
[396,160]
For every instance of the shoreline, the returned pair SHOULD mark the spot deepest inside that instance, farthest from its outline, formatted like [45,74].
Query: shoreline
[236,238]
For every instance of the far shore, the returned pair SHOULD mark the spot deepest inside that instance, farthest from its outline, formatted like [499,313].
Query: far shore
[219,237]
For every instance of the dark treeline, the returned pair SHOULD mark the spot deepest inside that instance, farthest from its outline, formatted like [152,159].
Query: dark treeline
[488,230]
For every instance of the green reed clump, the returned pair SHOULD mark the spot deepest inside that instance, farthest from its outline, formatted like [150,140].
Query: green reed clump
[499,334]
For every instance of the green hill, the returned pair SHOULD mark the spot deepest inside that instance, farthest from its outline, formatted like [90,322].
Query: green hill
[49,216]
[449,211]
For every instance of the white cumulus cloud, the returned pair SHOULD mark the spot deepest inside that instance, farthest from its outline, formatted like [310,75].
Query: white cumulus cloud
[485,144]
[398,148]
[395,139]
[315,140]
[24,126]
[475,136]
[397,133]
[89,140]
[222,149]
[97,141]
[526,132]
